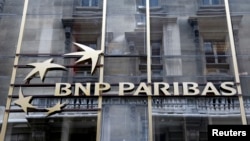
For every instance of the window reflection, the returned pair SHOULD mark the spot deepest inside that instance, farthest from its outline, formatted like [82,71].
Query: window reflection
[152,3]
[89,3]
[54,129]
[212,2]
[178,119]
[172,45]
[124,119]
[216,60]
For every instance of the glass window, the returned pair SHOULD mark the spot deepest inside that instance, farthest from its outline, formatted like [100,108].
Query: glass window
[157,66]
[89,3]
[176,126]
[212,2]
[152,3]
[215,1]
[140,19]
[216,60]
[125,37]
[209,52]
[205,2]
[124,119]
[215,52]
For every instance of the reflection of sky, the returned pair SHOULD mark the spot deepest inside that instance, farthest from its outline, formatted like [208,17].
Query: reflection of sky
[121,119]
[119,38]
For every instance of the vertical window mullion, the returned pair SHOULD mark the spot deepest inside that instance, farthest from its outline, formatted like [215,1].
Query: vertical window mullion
[149,71]
[235,64]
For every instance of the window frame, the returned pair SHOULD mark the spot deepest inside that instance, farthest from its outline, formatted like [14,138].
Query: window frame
[219,62]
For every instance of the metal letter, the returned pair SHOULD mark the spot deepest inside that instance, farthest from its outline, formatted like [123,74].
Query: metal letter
[176,88]
[163,89]
[210,88]
[143,88]
[85,90]
[227,89]
[65,89]
[187,88]
[101,87]
[122,89]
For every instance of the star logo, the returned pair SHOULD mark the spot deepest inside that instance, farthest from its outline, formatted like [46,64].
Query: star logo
[88,53]
[42,68]
[55,108]
[24,102]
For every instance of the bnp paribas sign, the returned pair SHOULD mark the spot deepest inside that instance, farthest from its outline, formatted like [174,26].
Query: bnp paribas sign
[124,88]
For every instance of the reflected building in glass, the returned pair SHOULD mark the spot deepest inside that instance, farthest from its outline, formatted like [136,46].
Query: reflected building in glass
[122,70]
